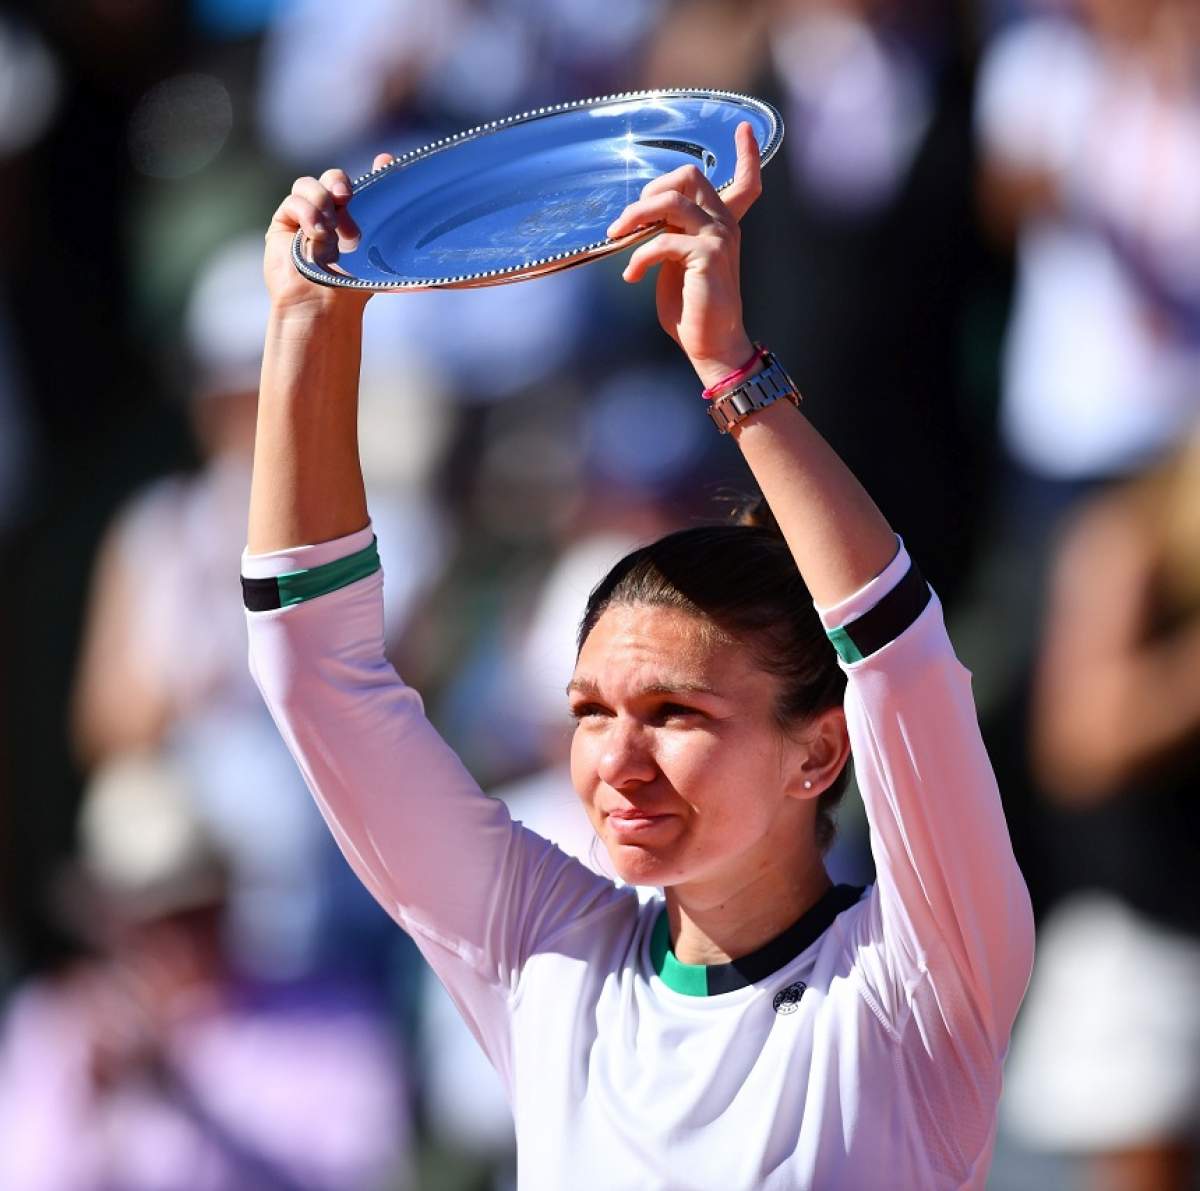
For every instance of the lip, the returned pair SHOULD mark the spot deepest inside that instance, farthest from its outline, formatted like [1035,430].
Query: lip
[635,822]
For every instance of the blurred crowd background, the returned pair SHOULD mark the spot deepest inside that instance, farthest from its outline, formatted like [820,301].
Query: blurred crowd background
[979,254]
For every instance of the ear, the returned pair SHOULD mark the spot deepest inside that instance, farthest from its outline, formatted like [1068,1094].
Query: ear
[819,752]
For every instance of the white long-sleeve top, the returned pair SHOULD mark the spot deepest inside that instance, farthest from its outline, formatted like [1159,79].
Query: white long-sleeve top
[871,1059]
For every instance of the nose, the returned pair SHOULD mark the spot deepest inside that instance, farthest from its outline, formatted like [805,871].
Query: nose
[626,757]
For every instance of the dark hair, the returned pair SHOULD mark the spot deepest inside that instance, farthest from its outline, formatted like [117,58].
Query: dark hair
[741,577]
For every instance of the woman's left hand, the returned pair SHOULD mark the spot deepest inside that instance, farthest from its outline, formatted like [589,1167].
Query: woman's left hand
[699,289]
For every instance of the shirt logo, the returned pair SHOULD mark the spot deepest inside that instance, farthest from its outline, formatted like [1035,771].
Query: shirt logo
[787,1000]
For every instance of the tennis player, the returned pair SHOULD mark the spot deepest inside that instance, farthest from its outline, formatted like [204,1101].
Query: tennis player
[755,1027]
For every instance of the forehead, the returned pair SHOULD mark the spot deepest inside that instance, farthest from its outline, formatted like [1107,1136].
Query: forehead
[650,646]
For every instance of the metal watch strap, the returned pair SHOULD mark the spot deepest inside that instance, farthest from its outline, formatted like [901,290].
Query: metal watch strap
[755,393]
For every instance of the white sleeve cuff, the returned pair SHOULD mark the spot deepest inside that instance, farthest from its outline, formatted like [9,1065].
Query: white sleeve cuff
[866,597]
[304,558]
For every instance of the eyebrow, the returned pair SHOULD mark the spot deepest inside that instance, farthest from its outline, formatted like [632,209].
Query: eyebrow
[589,686]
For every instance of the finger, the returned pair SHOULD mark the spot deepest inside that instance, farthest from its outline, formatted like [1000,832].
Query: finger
[670,246]
[746,186]
[671,208]
[348,233]
[689,181]
[337,182]
[318,197]
[382,159]
[297,213]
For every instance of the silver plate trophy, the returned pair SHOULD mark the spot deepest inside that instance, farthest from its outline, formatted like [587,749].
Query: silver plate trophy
[534,193]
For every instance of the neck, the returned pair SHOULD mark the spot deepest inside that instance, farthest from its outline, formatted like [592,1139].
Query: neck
[717,921]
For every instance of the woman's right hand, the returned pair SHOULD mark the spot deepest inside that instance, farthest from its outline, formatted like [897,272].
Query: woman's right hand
[316,206]
[308,484]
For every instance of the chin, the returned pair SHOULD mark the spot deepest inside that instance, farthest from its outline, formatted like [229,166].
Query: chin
[639,866]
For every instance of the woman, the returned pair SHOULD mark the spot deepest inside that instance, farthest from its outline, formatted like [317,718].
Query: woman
[755,1028]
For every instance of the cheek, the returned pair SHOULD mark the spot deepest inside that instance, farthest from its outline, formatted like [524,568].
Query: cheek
[692,763]
[583,768]
[735,790]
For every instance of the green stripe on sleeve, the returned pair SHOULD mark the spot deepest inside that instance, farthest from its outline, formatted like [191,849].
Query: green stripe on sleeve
[298,586]
[844,644]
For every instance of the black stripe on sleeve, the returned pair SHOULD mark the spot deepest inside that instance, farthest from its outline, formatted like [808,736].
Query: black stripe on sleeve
[260,595]
[886,621]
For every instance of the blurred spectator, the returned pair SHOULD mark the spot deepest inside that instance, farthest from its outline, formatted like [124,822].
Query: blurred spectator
[163,658]
[706,43]
[147,1067]
[1089,123]
[92,419]
[1091,133]
[373,55]
[860,96]
[1106,1061]
[484,344]
[398,68]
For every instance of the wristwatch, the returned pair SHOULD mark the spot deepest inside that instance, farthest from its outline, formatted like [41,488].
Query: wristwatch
[755,393]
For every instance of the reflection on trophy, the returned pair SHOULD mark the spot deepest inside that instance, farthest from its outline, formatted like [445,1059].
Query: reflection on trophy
[534,193]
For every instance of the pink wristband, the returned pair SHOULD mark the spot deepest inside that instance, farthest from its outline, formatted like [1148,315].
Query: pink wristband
[735,378]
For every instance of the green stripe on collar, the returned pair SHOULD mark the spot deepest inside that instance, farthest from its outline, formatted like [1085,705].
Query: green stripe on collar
[710,980]
[689,979]
[885,622]
[295,587]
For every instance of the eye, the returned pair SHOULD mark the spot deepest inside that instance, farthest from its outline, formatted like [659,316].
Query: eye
[583,711]
[676,711]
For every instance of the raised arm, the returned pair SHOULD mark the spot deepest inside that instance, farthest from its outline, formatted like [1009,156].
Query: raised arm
[477,892]
[839,538]
[308,483]
[950,906]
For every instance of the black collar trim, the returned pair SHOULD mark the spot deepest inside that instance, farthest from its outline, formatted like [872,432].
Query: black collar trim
[707,980]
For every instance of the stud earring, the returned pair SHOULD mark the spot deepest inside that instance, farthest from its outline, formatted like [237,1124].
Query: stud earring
[807,784]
